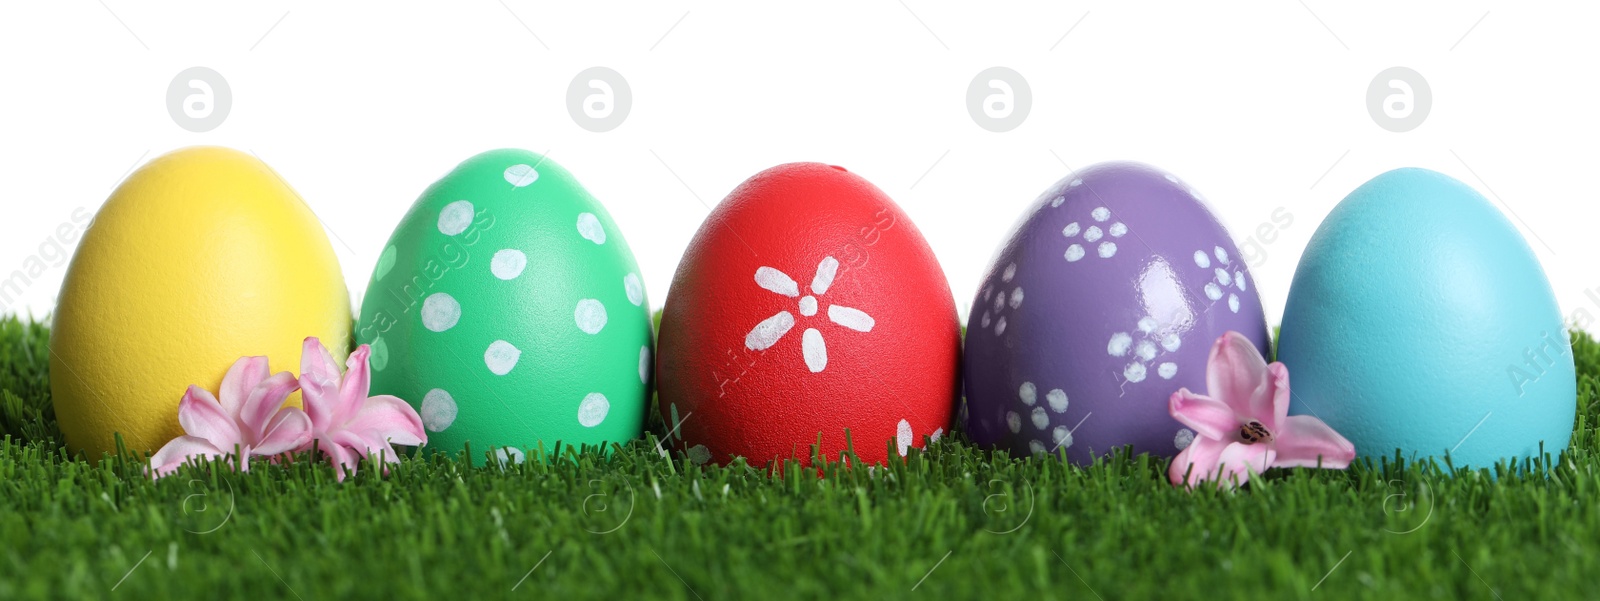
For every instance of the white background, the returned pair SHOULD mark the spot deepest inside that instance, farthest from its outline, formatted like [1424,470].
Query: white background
[1258,105]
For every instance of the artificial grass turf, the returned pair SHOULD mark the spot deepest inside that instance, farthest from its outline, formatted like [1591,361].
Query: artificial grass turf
[955,522]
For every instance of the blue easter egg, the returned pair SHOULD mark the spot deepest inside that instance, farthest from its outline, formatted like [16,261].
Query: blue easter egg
[1420,320]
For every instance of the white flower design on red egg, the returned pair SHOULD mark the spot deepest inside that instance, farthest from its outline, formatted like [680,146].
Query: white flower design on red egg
[812,346]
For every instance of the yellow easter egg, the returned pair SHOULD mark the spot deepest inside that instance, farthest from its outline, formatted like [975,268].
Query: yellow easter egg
[200,257]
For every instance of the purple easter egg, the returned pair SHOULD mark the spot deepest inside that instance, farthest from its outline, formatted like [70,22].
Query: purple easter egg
[1104,301]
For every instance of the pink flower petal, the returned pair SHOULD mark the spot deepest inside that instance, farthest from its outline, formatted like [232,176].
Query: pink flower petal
[1301,439]
[243,377]
[1202,455]
[201,415]
[264,401]
[370,448]
[1208,417]
[342,458]
[385,419]
[1237,375]
[357,383]
[289,430]
[319,383]
[363,447]
[179,450]
[1278,386]
[1240,461]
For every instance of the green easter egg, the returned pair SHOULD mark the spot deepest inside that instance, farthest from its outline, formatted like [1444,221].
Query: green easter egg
[508,310]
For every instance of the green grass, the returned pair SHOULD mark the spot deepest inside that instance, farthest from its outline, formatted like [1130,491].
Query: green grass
[955,522]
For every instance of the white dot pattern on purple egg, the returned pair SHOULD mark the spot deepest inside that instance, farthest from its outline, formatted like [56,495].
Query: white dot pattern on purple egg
[1061,436]
[1001,300]
[1119,344]
[1183,439]
[1152,341]
[1149,307]
[1041,420]
[1093,234]
[1145,351]
[1221,278]
[1057,399]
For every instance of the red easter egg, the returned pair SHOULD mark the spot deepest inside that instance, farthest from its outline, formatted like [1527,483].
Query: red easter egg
[807,305]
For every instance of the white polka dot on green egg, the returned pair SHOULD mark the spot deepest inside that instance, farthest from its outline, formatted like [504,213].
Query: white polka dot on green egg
[634,289]
[438,410]
[440,312]
[593,410]
[590,315]
[521,175]
[379,359]
[589,228]
[501,357]
[508,264]
[455,218]
[385,263]
[508,309]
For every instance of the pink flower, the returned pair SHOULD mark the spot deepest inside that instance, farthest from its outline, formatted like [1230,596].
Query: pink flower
[246,418]
[1244,427]
[346,423]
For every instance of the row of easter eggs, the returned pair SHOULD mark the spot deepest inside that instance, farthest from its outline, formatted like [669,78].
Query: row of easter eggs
[507,308]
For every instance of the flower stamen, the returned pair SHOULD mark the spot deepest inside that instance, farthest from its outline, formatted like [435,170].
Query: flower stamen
[1254,432]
